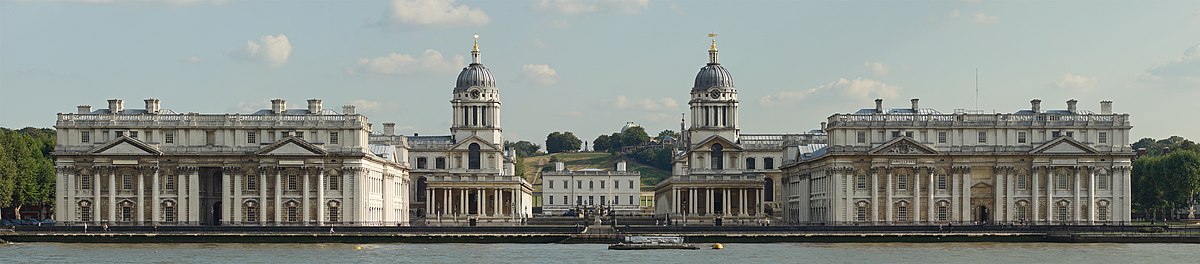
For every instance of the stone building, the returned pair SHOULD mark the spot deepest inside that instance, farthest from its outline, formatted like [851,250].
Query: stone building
[468,175]
[564,190]
[722,172]
[918,166]
[276,166]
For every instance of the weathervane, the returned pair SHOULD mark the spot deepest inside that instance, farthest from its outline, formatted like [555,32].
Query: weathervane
[476,42]
[713,36]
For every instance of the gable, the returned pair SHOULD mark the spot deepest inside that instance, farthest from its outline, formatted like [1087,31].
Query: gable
[290,149]
[1063,145]
[728,145]
[465,144]
[1064,149]
[903,146]
[126,146]
[291,146]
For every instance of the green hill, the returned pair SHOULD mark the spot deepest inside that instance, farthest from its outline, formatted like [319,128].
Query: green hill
[596,160]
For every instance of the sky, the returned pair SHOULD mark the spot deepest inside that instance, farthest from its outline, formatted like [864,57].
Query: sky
[590,66]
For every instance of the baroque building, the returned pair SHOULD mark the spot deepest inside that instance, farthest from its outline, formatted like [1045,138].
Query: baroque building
[721,172]
[565,190]
[273,167]
[918,166]
[468,176]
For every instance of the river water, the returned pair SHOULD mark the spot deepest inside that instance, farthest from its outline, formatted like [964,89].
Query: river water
[595,253]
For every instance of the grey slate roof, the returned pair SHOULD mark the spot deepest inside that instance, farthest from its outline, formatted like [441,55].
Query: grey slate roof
[474,75]
[711,76]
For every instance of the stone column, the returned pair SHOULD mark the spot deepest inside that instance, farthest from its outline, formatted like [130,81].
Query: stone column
[262,194]
[1051,185]
[691,201]
[916,212]
[955,192]
[1077,212]
[112,195]
[428,201]
[141,197]
[709,203]
[1034,192]
[226,197]
[1091,217]
[997,195]
[194,197]
[181,201]
[1126,196]
[888,196]
[874,196]
[966,194]
[96,199]
[932,189]
[239,182]
[154,200]
[278,195]
[1009,192]
[675,200]
[728,202]
[321,196]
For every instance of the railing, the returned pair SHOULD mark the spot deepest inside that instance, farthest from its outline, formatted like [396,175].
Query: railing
[193,119]
[590,172]
[875,120]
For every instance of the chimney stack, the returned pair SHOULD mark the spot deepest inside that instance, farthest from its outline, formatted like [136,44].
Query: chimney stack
[116,105]
[915,106]
[559,166]
[1106,107]
[621,165]
[347,109]
[152,106]
[879,105]
[1036,106]
[314,106]
[1071,106]
[823,124]
[278,105]
[84,109]
[389,129]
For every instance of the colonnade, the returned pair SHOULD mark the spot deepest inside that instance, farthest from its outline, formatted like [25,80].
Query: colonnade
[443,202]
[715,201]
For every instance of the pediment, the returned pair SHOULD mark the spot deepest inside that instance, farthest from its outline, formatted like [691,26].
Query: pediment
[465,144]
[903,146]
[1063,145]
[728,145]
[126,146]
[291,146]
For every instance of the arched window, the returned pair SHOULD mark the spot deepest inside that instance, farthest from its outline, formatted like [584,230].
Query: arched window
[421,189]
[473,156]
[168,211]
[718,157]
[421,162]
[250,211]
[768,189]
[293,211]
[85,211]
[750,164]
[126,212]
[334,211]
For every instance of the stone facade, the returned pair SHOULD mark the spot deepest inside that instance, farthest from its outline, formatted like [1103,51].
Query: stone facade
[916,166]
[564,190]
[273,167]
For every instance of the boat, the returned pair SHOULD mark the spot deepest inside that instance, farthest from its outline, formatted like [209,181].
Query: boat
[652,242]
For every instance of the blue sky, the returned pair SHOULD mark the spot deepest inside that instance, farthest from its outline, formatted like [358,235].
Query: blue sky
[590,66]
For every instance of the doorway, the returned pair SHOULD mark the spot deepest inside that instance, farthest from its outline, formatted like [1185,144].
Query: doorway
[984,214]
[210,196]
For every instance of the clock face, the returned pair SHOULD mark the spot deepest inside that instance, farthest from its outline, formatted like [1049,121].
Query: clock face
[714,94]
[475,94]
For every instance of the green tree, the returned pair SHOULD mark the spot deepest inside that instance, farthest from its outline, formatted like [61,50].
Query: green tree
[27,168]
[602,143]
[667,133]
[557,142]
[634,136]
[1163,184]
[523,148]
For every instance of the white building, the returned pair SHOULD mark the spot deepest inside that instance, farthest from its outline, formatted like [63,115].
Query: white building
[467,175]
[917,166]
[564,190]
[277,166]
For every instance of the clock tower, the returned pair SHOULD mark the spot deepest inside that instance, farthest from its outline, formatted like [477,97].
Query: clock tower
[714,102]
[476,103]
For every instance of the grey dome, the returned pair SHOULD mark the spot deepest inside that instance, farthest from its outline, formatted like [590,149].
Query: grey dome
[712,75]
[474,75]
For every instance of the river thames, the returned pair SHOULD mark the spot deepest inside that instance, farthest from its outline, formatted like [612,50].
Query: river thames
[597,253]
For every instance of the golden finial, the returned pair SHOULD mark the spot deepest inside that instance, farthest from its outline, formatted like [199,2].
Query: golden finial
[713,36]
[476,43]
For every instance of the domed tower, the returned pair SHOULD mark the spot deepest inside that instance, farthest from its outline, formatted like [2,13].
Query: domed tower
[714,102]
[476,102]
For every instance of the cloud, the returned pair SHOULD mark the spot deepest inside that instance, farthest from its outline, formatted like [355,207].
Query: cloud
[1185,68]
[193,59]
[141,2]
[538,43]
[540,74]
[575,7]
[954,14]
[272,50]
[859,89]
[647,104]
[981,18]
[1077,83]
[431,61]
[433,13]
[878,68]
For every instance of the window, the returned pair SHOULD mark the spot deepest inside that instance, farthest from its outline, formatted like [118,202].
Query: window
[616,184]
[565,201]
[895,134]
[1103,137]
[126,182]
[902,213]
[631,185]
[291,184]
[299,134]
[902,182]
[170,182]
[631,200]
[551,187]
[1071,134]
[335,182]
[941,182]
[85,137]
[908,134]
[601,184]
[769,163]
[250,211]
[942,213]
[861,214]
[169,137]
[1022,212]
[565,185]
[1062,213]
[552,200]
[1061,183]
[1055,134]
[473,156]
[292,212]
[251,182]
[126,212]
[750,164]
[85,182]
[251,137]
[861,182]
[334,212]
[942,137]
[1102,181]
[603,199]
[439,163]
[421,162]
[591,184]
[1102,213]
[768,189]
[718,157]
[591,200]
[862,137]
[1021,138]
[120,133]
[210,138]
[578,184]
[133,134]
[982,136]
[333,138]
[1022,183]
[169,212]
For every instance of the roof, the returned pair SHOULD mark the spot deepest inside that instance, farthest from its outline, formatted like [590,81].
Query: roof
[474,75]
[899,111]
[712,75]
[812,151]
[293,112]
[132,112]
[383,150]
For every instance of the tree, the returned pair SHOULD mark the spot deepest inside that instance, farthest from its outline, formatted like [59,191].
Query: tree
[523,148]
[634,136]
[666,133]
[602,143]
[26,168]
[655,157]
[562,142]
[1166,183]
